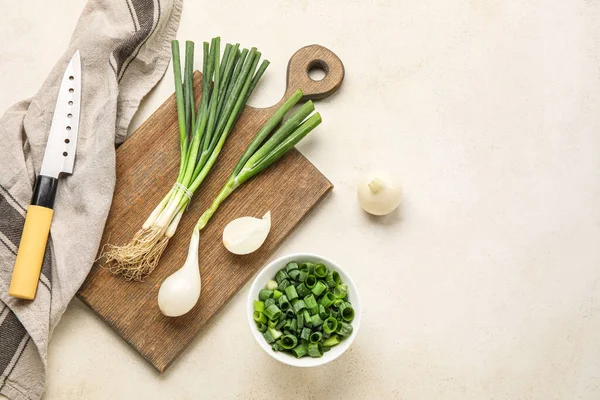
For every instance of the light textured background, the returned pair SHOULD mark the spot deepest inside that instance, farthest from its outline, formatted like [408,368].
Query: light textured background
[485,285]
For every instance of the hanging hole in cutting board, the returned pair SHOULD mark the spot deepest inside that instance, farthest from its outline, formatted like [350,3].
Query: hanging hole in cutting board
[317,70]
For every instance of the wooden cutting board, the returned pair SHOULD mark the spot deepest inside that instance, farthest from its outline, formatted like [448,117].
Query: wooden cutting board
[147,165]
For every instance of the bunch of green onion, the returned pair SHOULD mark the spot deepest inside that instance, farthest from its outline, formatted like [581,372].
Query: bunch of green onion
[305,310]
[179,292]
[226,87]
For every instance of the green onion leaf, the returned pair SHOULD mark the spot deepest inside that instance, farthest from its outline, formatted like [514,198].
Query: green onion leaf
[273,312]
[269,302]
[280,135]
[327,300]
[318,288]
[295,274]
[302,290]
[333,279]
[310,302]
[315,350]
[283,284]
[283,302]
[316,320]
[265,294]
[305,334]
[266,130]
[320,271]
[299,306]
[300,350]
[269,337]
[330,325]
[346,311]
[291,266]
[260,317]
[259,306]
[332,341]
[340,291]
[344,328]
[303,275]
[289,342]
[310,267]
[280,275]
[277,346]
[300,319]
[323,312]
[274,333]
[280,324]
[316,337]
[307,318]
[291,293]
[179,96]
[288,143]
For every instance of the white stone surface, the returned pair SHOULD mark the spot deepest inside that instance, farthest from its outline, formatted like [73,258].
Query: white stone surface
[486,284]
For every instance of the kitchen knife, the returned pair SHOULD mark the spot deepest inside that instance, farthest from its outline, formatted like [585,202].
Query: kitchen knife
[59,158]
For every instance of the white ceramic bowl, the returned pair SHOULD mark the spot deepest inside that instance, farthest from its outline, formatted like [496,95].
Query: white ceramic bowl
[268,273]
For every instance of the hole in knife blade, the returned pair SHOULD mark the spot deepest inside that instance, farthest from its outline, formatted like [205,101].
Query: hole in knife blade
[69,115]
[65,154]
[71,90]
[67,141]
[68,128]
[70,103]
[71,78]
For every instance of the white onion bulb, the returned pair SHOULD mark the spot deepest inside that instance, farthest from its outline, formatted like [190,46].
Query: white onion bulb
[378,194]
[179,293]
[246,234]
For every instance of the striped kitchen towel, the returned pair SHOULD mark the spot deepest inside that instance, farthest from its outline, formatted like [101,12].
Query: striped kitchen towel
[125,50]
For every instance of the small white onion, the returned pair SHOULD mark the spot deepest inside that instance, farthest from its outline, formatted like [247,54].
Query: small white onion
[179,293]
[378,194]
[246,234]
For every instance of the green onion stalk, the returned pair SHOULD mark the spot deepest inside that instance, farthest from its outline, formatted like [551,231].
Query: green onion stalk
[227,84]
[259,156]
[264,150]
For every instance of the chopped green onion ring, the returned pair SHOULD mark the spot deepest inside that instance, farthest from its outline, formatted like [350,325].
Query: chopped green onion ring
[273,312]
[320,271]
[265,294]
[315,337]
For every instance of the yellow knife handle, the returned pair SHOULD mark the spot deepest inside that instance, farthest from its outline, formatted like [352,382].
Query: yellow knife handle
[32,247]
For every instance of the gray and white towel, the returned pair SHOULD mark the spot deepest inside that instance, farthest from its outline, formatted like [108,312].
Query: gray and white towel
[125,50]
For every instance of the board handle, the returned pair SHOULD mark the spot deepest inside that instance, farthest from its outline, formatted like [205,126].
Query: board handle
[306,59]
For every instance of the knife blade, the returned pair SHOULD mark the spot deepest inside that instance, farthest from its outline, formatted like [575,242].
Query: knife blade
[59,158]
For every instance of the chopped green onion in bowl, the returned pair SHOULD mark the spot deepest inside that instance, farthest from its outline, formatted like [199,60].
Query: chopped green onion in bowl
[310,323]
